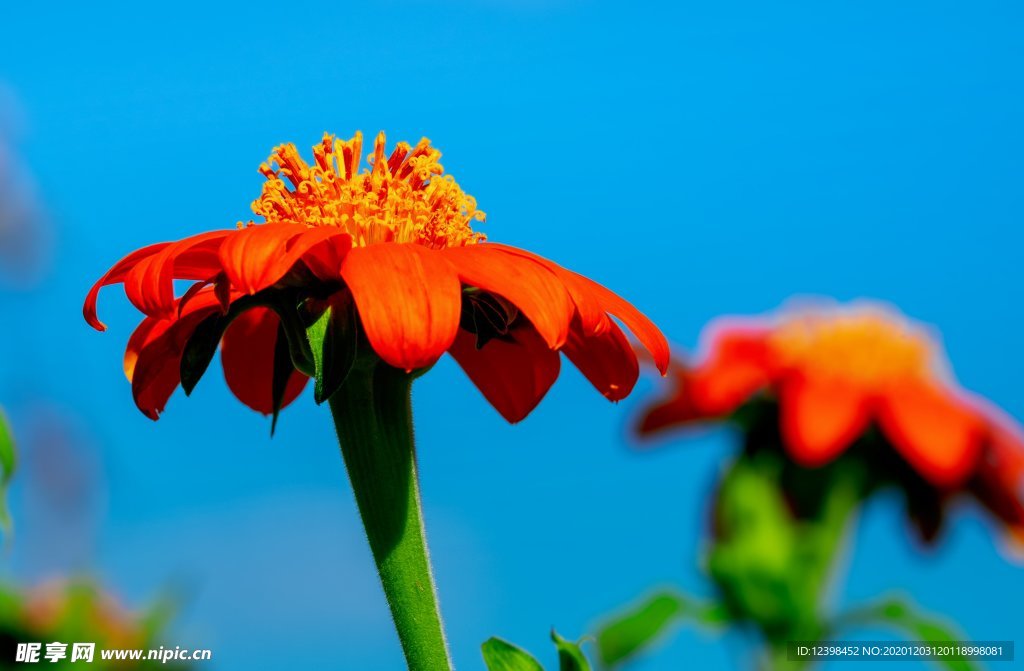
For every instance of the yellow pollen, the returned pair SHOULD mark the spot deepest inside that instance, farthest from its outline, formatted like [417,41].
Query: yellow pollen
[866,347]
[405,197]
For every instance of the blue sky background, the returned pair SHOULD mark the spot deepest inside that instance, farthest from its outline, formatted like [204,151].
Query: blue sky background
[699,160]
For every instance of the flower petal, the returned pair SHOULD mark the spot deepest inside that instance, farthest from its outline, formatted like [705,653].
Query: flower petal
[673,410]
[113,276]
[937,433]
[247,354]
[152,360]
[524,282]
[820,417]
[408,299]
[736,367]
[257,256]
[607,360]
[513,375]
[150,283]
[999,481]
[593,318]
[643,328]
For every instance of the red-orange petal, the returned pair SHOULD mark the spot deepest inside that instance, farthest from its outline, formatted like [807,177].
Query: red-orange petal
[512,375]
[643,328]
[247,355]
[257,256]
[676,409]
[937,433]
[324,259]
[116,274]
[150,283]
[735,369]
[149,329]
[607,360]
[153,357]
[593,318]
[820,417]
[527,284]
[408,297]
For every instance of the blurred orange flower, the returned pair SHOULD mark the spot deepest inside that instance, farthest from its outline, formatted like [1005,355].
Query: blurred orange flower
[56,606]
[396,240]
[834,372]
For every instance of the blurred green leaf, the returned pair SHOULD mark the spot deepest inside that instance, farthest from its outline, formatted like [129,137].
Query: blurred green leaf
[570,656]
[501,655]
[634,630]
[8,462]
[906,618]
[771,564]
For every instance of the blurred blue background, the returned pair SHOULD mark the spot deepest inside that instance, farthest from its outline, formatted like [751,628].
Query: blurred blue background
[698,160]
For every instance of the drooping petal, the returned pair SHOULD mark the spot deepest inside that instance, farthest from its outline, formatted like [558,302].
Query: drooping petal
[247,354]
[149,329]
[937,433]
[408,299]
[593,318]
[113,276]
[736,367]
[150,283]
[513,375]
[527,284]
[155,377]
[607,360]
[820,417]
[256,257]
[153,357]
[999,480]
[643,328]
[675,409]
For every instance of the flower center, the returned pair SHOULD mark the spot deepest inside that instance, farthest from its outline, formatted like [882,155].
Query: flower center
[405,197]
[868,347]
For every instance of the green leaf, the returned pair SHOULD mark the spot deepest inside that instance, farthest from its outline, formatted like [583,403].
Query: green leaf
[500,655]
[200,348]
[906,618]
[334,339]
[282,373]
[639,627]
[633,631]
[8,462]
[570,656]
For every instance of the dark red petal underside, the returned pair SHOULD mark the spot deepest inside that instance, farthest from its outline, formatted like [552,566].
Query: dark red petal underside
[642,327]
[513,375]
[607,360]
[247,354]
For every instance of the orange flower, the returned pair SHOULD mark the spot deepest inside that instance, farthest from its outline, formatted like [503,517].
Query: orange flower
[836,371]
[396,240]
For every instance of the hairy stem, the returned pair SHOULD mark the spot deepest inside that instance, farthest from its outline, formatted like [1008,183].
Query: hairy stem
[373,417]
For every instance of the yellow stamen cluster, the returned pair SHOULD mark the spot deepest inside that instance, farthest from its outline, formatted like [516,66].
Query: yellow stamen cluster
[869,347]
[405,197]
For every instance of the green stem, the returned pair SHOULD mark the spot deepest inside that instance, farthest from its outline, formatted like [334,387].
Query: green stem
[373,417]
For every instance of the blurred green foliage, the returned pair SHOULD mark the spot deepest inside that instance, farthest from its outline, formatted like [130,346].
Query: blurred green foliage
[777,528]
[8,462]
[500,655]
[636,629]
